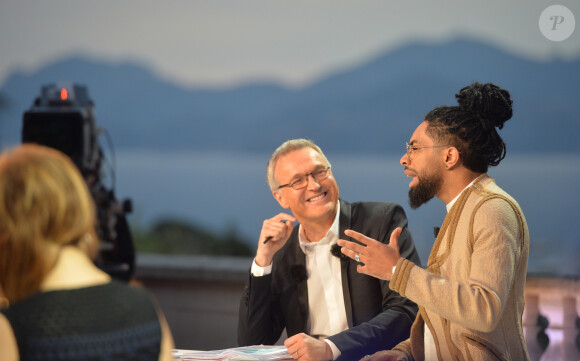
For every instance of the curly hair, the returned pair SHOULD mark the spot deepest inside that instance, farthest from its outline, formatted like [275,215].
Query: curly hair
[471,125]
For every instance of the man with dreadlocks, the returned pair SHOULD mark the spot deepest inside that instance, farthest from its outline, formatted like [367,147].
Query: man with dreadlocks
[471,295]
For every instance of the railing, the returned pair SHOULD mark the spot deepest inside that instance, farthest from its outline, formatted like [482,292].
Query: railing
[551,323]
[200,297]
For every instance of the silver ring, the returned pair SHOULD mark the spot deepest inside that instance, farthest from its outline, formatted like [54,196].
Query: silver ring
[356,257]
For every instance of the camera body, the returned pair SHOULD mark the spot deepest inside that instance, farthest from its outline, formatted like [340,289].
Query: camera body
[63,118]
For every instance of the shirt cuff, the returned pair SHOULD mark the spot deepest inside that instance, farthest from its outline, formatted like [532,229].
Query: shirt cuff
[258,271]
[335,351]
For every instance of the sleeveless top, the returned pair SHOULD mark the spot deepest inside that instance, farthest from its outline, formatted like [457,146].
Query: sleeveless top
[112,321]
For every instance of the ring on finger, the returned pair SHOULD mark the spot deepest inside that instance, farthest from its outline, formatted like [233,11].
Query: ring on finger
[356,257]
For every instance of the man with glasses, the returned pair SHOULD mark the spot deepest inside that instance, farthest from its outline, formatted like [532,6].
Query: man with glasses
[300,282]
[471,295]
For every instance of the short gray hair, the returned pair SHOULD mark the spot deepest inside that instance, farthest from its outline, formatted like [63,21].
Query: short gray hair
[287,147]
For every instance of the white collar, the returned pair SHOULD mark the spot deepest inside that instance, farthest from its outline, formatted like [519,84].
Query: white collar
[450,204]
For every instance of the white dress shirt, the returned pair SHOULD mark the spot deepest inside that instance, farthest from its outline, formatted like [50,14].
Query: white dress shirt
[324,284]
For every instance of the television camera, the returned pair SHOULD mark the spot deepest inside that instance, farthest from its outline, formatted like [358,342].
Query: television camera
[63,117]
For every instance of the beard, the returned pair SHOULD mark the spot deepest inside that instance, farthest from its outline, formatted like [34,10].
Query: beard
[427,187]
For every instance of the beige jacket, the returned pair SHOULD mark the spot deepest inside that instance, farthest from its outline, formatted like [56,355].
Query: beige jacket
[471,295]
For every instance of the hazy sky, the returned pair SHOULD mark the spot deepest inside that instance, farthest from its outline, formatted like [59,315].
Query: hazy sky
[218,42]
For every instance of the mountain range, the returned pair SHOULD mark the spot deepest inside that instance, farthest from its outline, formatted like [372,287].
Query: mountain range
[372,107]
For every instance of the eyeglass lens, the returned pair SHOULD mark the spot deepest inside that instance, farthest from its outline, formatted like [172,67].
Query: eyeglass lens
[318,176]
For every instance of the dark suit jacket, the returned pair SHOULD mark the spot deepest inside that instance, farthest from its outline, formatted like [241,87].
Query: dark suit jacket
[378,318]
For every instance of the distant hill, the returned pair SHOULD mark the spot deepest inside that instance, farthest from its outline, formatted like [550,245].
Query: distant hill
[371,108]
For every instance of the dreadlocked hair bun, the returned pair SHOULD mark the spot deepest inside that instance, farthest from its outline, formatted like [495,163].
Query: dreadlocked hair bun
[472,126]
[488,103]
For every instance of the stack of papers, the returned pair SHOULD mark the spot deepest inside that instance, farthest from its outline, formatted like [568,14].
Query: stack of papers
[250,353]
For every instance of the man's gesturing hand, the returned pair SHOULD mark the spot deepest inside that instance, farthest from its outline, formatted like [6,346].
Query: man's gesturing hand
[377,259]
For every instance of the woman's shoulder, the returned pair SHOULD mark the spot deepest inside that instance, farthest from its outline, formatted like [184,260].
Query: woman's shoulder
[7,341]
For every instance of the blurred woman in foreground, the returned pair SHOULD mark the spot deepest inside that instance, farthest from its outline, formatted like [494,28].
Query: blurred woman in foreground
[61,306]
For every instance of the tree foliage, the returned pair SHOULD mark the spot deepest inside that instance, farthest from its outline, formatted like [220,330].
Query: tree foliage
[179,237]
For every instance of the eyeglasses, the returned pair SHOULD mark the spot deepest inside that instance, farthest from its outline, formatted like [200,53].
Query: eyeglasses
[413,147]
[302,181]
